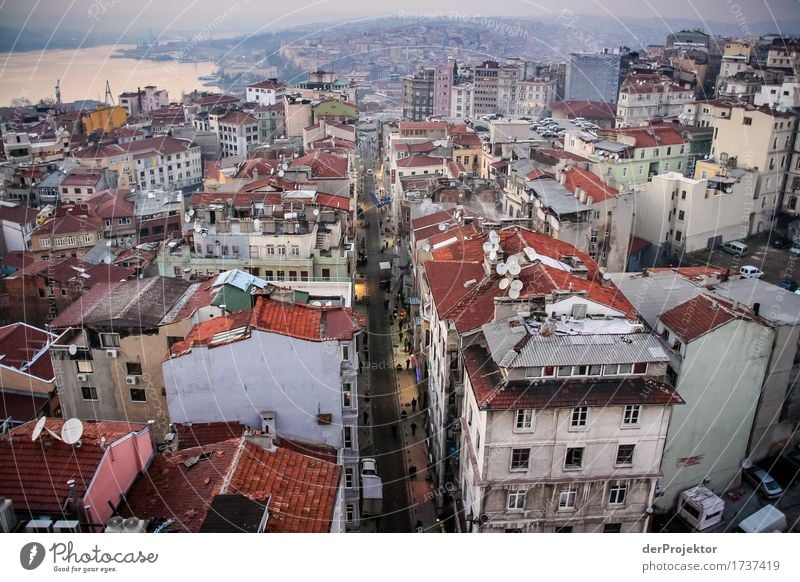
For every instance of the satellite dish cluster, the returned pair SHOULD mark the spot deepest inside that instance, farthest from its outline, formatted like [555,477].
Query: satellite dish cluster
[509,269]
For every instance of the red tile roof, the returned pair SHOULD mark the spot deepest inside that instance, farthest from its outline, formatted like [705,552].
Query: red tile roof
[68,224]
[200,434]
[561,155]
[701,315]
[34,474]
[22,347]
[274,85]
[302,490]
[588,182]
[331,201]
[415,148]
[409,125]
[420,161]
[238,118]
[112,204]
[323,165]
[654,135]
[536,174]
[467,140]
[694,273]
[22,407]
[215,100]
[18,214]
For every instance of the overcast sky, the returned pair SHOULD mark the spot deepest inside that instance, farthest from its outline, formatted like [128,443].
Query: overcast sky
[117,16]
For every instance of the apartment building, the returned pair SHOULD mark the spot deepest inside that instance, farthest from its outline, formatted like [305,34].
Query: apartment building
[70,233]
[297,235]
[418,91]
[792,188]
[682,215]
[593,76]
[300,380]
[758,139]
[535,95]
[645,97]
[144,100]
[444,77]
[108,354]
[556,437]
[461,97]
[237,131]
[265,93]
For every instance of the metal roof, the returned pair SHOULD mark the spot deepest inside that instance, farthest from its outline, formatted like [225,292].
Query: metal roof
[555,197]
[522,350]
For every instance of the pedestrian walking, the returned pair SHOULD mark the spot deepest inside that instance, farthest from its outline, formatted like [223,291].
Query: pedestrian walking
[408,367]
[413,428]
[403,415]
[413,405]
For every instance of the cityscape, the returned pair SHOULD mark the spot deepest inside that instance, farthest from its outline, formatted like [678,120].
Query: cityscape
[417,272]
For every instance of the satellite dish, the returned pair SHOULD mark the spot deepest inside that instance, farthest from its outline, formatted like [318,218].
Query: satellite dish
[187,217]
[197,228]
[280,174]
[426,247]
[72,349]
[516,285]
[37,430]
[315,212]
[493,237]
[513,294]
[108,243]
[512,260]
[503,283]
[487,246]
[442,226]
[72,431]
[492,255]
[191,212]
[284,167]
[204,234]
[514,269]
[501,269]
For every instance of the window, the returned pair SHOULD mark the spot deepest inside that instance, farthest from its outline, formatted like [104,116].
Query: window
[84,366]
[89,392]
[533,372]
[640,368]
[133,368]
[747,121]
[683,194]
[516,500]
[580,415]
[678,235]
[595,370]
[270,249]
[109,340]
[563,529]
[282,250]
[564,371]
[350,512]
[574,458]
[295,250]
[520,459]
[617,494]
[88,237]
[566,498]
[253,252]
[612,528]
[549,371]
[348,437]
[347,394]
[625,454]
[138,395]
[630,416]
[44,243]
[524,419]
[349,478]
[345,352]
[681,214]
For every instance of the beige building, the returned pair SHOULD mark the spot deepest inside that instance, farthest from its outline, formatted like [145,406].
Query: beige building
[645,97]
[759,139]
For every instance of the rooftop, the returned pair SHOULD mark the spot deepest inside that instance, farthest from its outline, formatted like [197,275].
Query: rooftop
[700,315]
[24,348]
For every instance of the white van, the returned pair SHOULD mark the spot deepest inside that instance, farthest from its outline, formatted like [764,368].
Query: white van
[734,247]
[700,507]
[768,519]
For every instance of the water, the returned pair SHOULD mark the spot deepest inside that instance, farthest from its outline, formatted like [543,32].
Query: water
[83,73]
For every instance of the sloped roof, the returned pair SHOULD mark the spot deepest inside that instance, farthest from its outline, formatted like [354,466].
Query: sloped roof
[23,348]
[322,164]
[590,183]
[34,475]
[700,315]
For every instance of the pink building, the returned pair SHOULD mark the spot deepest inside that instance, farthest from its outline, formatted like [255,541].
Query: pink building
[81,482]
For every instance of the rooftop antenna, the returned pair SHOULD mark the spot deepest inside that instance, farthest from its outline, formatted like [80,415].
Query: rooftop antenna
[109,98]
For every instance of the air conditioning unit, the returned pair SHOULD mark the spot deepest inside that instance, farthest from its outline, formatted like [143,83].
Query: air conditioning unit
[67,526]
[8,519]
[83,377]
[111,353]
[39,526]
[132,380]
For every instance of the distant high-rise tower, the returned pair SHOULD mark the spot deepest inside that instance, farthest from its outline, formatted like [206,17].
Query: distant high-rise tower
[58,92]
[593,77]
[443,78]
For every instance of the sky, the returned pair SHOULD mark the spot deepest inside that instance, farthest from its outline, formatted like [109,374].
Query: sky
[136,16]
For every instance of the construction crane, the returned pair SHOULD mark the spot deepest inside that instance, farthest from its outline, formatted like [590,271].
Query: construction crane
[109,98]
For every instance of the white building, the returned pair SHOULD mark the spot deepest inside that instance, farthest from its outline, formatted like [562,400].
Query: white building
[535,95]
[287,369]
[645,97]
[237,131]
[558,436]
[719,355]
[267,92]
[683,215]
[461,101]
[784,95]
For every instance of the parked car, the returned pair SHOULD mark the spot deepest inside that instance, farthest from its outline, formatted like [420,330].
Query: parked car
[788,284]
[779,243]
[795,248]
[763,482]
[750,272]
[734,247]
[369,466]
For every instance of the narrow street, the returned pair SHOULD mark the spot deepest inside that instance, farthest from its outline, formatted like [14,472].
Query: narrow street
[383,406]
